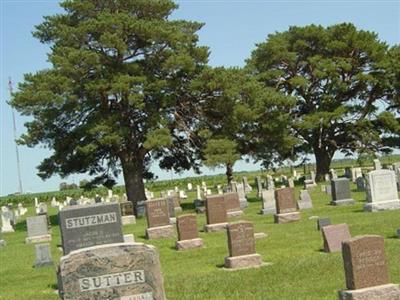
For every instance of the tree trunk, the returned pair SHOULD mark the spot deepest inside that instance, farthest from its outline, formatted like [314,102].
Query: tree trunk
[132,169]
[229,173]
[323,160]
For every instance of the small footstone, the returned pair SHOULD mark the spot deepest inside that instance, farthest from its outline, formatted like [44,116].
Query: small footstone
[189,244]
[160,232]
[287,218]
[129,238]
[260,235]
[126,220]
[215,227]
[243,261]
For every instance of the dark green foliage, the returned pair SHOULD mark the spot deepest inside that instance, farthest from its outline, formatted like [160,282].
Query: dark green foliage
[342,81]
[117,93]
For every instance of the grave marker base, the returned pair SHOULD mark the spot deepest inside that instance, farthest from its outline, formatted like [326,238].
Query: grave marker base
[126,220]
[379,206]
[189,244]
[286,218]
[380,292]
[215,227]
[38,239]
[268,211]
[343,202]
[260,235]
[160,232]
[236,213]
[243,261]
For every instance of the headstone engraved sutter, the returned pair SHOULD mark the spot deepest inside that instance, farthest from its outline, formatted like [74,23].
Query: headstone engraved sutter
[90,225]
[241,244]
[37,229]
[334,235]
[232,204]
[188,236]
[382,191]
[341,192]
[366,270]
[127,216]
[215,213]
[286,206]
[43,255]
[158,221]
[268,202]
[304,201]
[115,271]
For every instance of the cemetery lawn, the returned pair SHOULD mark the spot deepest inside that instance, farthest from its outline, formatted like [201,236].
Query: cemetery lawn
[299,269]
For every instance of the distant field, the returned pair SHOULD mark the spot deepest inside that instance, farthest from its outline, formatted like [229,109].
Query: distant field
[299,270]
[157,186]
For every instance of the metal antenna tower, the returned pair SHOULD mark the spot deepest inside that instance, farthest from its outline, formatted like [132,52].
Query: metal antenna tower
[10,88]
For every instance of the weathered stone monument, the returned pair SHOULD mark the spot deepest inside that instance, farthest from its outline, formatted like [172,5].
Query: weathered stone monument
[341,192]
[232,204]
[127,215]
[268,202]
[366,270]
[6,217]
[304,201]
[382,191]
[258,185]
[43,255]
[37,230]
[215,213]
[90,225]
[158,222]
[286,206]
[242,195]
[116,271]
[188,236]
[377,164]
[334,235]
[321,222]
[241,243]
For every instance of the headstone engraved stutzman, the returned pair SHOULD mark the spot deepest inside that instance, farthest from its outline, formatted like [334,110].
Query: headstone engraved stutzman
[286,206]
[241,243]
[188,236]
[366,270]
[382,191]
[215,213]
[116,271]
[158,222]
[90,225]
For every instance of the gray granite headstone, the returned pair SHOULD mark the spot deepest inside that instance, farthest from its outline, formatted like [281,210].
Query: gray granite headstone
[341,192]
[305,200]
[90,225]
[171,207]
[323,222]
[360,182]
[268,202]
[37,226]
[127,271]
[43,255]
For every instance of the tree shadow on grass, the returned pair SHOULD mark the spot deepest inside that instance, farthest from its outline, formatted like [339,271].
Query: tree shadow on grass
[188,206]
[54,220]
[21,226]
[253,199]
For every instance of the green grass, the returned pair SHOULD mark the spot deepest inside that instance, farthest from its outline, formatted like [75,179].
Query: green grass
[299,270]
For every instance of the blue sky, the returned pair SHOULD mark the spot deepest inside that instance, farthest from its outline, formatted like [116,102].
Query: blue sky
[231,30]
